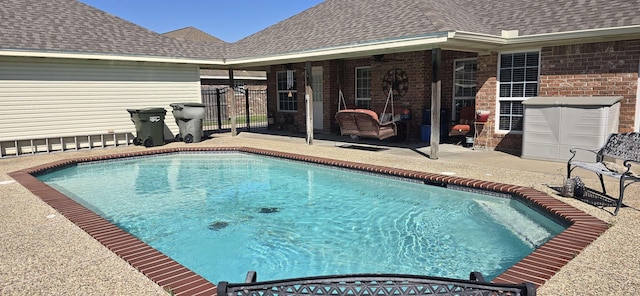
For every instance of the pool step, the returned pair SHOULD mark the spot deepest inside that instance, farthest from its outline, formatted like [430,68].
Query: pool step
[529,231]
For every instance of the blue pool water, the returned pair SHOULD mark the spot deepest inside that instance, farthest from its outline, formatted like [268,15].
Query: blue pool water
[223,214]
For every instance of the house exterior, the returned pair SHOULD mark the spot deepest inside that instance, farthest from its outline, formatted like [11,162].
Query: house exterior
[69,72]
[490,57]
[72,74]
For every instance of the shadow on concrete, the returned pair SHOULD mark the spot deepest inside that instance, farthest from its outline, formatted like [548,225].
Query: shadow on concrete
[594,198]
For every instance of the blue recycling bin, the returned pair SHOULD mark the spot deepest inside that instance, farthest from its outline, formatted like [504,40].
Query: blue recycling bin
[425,133]
[444,123]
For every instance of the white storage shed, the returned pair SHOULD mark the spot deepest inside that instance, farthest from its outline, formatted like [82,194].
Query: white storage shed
[553,125]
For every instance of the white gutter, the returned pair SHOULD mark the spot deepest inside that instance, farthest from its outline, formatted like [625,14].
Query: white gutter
[420,42]
[583,34]
[109,57]
[477,37]
[546,37]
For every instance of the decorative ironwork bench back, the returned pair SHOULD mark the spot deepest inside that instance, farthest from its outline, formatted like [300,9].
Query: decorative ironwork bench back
[622,146]
[373,285]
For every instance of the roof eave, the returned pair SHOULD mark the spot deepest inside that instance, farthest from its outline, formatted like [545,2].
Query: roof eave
[453,40]
[468,40]
[592,35]
[109,57]
[424,42]
[474,42]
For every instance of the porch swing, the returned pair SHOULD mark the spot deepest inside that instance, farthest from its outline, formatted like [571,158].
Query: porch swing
[365,123]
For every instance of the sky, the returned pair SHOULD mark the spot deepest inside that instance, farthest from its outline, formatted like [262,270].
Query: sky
[229,20]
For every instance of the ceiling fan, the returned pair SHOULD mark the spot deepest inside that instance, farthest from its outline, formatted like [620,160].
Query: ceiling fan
[380,58]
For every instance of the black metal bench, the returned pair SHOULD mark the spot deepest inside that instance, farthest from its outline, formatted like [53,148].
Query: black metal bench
[373,285]
[624,147]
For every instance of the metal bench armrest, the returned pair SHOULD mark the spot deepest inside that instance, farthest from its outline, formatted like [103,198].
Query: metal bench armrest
[629,163]
[574,150]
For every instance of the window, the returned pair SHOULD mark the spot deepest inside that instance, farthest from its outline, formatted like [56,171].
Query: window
[511,115]
[464,85]
[363,87]
[518,81]
[287,91]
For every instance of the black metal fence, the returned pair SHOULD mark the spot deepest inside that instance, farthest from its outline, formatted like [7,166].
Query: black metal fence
[251,109]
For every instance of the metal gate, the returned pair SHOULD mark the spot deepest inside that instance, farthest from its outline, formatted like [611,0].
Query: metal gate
[251,109]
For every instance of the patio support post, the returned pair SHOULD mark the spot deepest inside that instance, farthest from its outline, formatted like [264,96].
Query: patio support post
[436,98]
[232,98]
[308,101]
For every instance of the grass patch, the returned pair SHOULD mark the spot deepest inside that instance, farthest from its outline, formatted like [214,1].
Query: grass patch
[239,120]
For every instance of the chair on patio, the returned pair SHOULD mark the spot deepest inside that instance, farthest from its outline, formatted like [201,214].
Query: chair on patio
[623,148]
[465,123]
[364,123]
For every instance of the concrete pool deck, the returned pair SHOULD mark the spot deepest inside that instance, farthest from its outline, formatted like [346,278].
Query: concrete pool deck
[41,252]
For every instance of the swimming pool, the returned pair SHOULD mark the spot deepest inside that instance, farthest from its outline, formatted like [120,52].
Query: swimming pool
[537,267]
[220,215]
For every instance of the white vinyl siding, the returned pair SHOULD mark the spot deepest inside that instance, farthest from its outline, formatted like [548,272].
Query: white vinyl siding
[48,98]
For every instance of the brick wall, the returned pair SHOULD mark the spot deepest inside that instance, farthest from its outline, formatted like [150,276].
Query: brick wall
[594,69]
[486,100]
[340,74]
[417,66]
[413,64]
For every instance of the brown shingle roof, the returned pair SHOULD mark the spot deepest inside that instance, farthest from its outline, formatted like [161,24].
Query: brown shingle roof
[194,34]
[71,26]
[191,33]
[343,22]
[549,16]
[337,22]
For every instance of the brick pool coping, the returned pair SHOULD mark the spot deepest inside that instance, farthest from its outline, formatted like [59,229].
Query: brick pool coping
[537,267]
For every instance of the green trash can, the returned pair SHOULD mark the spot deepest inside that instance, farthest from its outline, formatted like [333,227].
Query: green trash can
[149,124]
[189,118]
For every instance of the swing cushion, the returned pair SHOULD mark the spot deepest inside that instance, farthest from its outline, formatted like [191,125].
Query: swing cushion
[364,123]
[370,112]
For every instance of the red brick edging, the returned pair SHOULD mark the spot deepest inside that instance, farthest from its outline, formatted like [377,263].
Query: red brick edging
[537,267]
